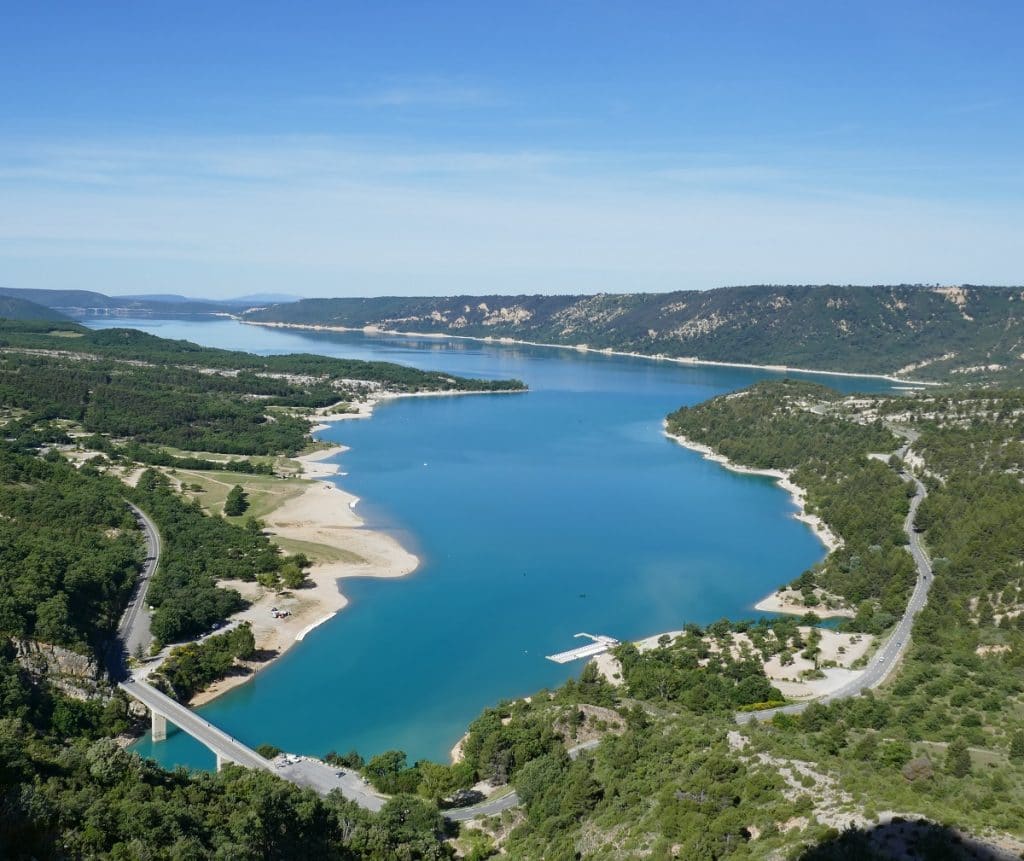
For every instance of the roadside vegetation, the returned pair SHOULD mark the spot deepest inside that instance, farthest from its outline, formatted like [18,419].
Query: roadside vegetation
[198,551]
[191,668]
[69,551]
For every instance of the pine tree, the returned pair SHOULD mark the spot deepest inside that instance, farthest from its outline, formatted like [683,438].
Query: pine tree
[958,760]
[236,502]
[1017,745]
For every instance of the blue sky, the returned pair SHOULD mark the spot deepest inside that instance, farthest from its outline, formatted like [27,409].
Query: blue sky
[399,148]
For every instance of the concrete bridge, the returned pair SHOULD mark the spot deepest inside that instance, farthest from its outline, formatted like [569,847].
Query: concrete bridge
[134,633]
[303,771]
[163,709]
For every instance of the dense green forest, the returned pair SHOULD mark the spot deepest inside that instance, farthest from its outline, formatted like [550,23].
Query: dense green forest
[68,790]
[192,667]
[977,331]
[151,391]
[69,551]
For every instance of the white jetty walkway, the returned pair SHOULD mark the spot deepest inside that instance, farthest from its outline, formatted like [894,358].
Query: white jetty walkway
[601,644]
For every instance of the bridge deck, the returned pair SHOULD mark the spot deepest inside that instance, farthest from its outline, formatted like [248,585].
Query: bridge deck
[202,730]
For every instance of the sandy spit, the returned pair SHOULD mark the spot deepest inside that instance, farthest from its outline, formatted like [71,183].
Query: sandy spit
[791,602]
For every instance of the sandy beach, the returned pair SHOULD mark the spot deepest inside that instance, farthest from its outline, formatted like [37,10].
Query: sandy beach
[782,478]
[319,520]
[839,648]
[322,514]
[790,602]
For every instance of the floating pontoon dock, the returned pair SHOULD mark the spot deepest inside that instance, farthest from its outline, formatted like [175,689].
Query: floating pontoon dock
[601,644]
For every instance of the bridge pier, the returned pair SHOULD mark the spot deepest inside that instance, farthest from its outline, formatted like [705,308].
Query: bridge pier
[158,724]
[164,710]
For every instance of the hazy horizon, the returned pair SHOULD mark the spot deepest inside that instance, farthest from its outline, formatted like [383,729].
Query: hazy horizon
[265,295]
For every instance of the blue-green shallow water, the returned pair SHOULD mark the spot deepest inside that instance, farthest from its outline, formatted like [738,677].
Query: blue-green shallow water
[535,516]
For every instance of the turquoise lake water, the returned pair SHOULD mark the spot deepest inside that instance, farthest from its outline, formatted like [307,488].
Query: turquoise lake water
[535,516]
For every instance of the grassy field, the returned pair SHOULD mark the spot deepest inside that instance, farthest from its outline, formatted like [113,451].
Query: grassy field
[266,494]
[273,460]
[319,552]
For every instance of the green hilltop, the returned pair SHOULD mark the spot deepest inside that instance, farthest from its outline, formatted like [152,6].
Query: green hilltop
[13,308]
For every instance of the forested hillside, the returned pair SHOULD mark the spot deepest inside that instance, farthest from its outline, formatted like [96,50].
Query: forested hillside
[68,790]
[91,303]
[960,332]
[800,427]
[136,386]
[69,551]
[13,308]
[864,778]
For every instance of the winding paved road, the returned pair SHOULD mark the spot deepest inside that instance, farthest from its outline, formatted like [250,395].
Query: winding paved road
[886,659]
[133,631]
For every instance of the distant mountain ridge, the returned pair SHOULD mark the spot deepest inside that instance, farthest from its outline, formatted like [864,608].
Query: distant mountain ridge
[963,333]
[85,303]
[13,308]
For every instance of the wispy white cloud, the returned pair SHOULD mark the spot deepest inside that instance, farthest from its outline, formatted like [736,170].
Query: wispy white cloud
[333,217]
[285,159]
[412,93]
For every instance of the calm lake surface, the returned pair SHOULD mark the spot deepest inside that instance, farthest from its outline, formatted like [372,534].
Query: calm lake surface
[535,516]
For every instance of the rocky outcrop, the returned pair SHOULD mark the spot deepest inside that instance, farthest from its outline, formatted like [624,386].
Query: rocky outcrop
[77,675]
